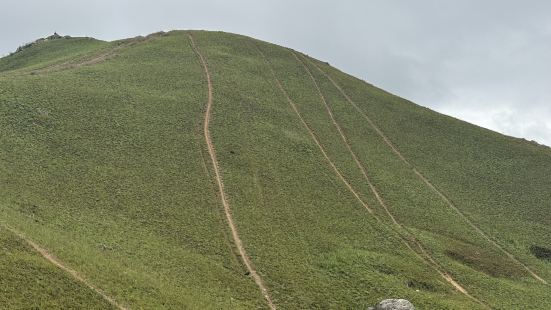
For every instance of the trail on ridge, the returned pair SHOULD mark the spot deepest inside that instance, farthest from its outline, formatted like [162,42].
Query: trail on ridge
[73,273]
[86,60]
[449,203]
[227,210]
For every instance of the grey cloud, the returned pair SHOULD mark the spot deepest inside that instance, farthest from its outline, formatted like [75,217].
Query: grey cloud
[487,62]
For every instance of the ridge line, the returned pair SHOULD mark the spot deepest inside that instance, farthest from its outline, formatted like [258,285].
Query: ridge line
[227,210]
[99,56]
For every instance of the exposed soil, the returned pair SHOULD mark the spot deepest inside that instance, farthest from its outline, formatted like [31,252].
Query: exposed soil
[212,152]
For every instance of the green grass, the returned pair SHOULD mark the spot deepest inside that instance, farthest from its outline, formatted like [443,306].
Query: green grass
[30,282]
[48,52]
[106,166]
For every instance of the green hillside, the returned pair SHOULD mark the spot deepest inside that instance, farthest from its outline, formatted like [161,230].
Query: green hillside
[207,170]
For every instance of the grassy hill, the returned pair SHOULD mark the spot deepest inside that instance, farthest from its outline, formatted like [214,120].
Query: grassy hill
[201,170]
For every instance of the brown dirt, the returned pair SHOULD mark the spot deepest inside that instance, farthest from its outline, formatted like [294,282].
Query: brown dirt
[58,263]
[210,146]
[426,181]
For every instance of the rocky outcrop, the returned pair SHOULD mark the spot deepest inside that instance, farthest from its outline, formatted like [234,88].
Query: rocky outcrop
[54,36]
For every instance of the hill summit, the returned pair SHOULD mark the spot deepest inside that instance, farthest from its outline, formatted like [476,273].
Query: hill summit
[196,169]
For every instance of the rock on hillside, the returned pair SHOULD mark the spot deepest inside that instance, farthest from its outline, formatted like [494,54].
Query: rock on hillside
[393,304]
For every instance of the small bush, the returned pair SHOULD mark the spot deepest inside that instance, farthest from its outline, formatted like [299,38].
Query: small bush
[541,252]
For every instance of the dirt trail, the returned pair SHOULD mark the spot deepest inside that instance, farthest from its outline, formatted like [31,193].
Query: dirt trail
[426,181]
[56,262]
[425,255]
[210,146]
[73,63]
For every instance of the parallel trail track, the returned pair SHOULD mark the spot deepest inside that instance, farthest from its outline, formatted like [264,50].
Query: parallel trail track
[411,238]
[449,203]
[424,256]
[315,138]
[73,273]
[210,146]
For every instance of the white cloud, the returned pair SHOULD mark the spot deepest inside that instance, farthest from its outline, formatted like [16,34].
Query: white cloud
[503,115]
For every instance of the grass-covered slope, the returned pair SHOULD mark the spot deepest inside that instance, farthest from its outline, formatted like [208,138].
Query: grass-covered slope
[43,52]
[30,282]
[339,193]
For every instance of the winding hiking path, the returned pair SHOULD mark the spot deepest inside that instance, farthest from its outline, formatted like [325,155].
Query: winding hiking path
[210,146]
[424,255]
[73,273]
[449,203]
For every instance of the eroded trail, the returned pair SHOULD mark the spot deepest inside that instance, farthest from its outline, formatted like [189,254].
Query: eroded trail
[73,273]
[227,210]
[423,254]
[448,202]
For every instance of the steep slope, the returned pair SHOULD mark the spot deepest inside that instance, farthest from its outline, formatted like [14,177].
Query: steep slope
[210,170]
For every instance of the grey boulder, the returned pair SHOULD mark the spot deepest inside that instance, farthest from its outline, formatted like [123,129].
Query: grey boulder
[394,304]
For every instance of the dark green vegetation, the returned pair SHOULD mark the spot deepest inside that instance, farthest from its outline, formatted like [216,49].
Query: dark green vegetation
[103,162]
[541,252]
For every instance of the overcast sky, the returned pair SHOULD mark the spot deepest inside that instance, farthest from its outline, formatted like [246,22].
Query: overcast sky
[485,61]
